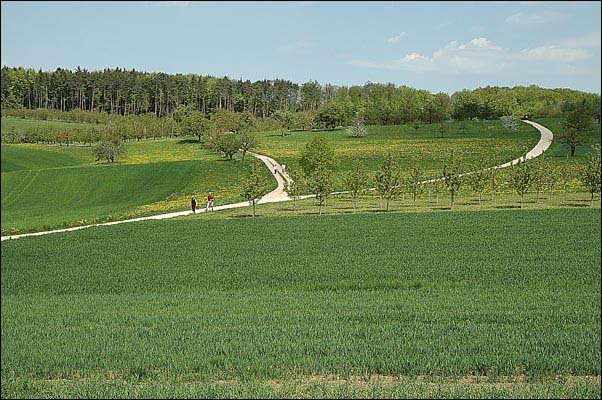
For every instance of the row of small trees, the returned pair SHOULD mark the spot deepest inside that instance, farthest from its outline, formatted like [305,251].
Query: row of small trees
[317,165]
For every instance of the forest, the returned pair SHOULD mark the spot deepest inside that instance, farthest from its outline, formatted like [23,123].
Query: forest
[120,92]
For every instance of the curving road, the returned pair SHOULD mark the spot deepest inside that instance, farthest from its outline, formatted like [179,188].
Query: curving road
[278,195]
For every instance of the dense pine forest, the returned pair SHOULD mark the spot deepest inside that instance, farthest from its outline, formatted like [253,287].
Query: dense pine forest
[122,92]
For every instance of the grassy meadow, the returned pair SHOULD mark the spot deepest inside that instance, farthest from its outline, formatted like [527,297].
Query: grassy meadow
[469,140]
[45,187]
[366,305]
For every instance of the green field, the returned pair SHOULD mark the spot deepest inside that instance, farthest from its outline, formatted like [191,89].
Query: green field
[20,157]
[159,176]
[21,124]
[45,187]
[168,172]
[44,199]
[468,140]
[266,306]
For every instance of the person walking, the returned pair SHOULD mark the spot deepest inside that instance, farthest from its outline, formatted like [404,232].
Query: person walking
[283,168]
[193,204]
[275,169]
[209,201]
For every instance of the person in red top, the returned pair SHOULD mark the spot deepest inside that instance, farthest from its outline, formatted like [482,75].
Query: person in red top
[209,201]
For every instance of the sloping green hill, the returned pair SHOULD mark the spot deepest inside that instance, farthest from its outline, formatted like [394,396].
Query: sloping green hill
[18,157]
[43,199]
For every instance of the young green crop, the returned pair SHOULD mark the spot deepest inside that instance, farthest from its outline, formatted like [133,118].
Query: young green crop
[496,293]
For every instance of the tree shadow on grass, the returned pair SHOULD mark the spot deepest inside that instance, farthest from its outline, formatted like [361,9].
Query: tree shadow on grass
[509,206]
[188,141]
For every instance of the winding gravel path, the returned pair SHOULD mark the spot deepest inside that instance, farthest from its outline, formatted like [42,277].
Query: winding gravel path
[278,195]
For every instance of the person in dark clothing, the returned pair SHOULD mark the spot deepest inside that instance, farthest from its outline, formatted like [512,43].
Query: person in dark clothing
[193,204]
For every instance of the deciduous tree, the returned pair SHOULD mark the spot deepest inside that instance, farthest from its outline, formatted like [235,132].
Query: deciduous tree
[521,178]
[254,186]
[296,186]
[452,174]
[590,174]
[317,153]
[355,181]
[388,180]
[320,183]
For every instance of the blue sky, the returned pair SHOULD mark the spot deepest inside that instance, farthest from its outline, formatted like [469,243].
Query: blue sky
[436,46]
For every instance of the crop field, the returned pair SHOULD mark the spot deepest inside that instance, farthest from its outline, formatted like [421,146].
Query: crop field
[313,305]
[468,140]
[43,198]
[19,157]
[21,124]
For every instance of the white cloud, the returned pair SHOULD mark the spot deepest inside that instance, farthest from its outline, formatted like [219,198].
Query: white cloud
[591,40]
[566,51]
[478,55]
[482,56]
[484,43]
[555,53]
[544,17]
[392,41]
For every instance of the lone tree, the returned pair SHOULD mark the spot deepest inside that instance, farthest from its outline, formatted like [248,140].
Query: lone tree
[296,186]
[452,175]
[302,120]
[317,153]
[578,119]
[247,142]
[358,129]
[388,180]
[254,186]
[521,178]
[320,183]
[356,181]
[285,118]
[590,175]
[572,137]
[443,128]
[229,144]
[194,124]
[108,149]
[509,122]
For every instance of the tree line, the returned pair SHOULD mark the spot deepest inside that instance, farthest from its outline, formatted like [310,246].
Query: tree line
[130,92]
